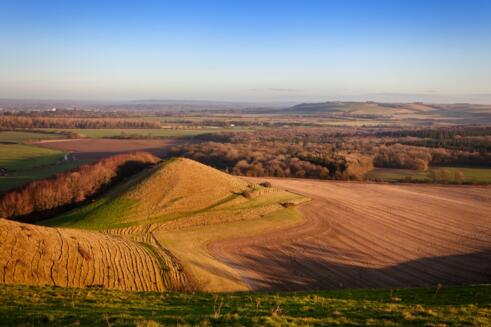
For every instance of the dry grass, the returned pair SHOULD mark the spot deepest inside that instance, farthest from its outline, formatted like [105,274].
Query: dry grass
[181,185]
[74,258]
[175,189]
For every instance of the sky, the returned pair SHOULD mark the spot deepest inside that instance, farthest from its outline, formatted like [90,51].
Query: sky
[255,51]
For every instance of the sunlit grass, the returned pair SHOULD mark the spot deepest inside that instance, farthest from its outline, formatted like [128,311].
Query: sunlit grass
[70,306]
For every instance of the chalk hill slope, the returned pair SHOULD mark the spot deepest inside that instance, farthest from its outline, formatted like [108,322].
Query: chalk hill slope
[38,255]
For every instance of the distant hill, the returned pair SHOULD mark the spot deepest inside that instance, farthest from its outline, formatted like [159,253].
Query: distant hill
[357,108]
[464,112]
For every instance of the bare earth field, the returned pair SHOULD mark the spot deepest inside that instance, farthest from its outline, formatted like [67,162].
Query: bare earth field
[370,235]
[99,148]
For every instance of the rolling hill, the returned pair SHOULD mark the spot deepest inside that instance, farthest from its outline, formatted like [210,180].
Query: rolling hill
[173,189]
[356,108]
[156,225]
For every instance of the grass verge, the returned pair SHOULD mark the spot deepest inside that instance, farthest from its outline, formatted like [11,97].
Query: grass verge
[27,305]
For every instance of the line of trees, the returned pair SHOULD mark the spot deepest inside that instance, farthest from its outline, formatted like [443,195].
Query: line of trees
[336,153]
[16,122]
[43,198]
[280,159]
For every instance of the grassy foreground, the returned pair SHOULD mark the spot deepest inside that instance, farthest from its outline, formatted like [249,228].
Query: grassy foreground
[28,305]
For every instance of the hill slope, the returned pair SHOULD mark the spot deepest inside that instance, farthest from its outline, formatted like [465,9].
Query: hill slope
[185,205]
[72,258]
[174,188]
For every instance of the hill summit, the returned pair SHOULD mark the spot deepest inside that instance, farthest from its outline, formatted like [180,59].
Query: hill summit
[174,187]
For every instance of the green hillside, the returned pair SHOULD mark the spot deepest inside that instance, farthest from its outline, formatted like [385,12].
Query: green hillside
[174,189]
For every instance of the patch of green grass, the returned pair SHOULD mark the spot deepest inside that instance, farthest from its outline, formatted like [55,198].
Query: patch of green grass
[394,175]
[55,306]
[150,133]
[101,213]
[18,157]
[21,136]
[17,179]
[471,175]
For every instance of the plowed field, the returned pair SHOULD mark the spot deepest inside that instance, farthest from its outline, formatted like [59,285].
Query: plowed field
[370,235]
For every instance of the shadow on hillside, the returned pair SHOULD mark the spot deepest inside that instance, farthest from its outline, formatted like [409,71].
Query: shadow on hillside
[275,270]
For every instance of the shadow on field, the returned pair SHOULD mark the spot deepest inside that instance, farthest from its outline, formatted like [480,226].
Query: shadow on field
[270,270]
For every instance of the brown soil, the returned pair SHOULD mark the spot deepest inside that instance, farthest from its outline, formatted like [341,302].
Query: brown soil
[370,235]
[98,148]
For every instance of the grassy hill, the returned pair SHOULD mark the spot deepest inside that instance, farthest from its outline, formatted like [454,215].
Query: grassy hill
[174,188]
[185,205]
[459,306]
[357,108]
[177,188]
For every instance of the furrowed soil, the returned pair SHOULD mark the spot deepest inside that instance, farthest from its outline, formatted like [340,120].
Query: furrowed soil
[360,235]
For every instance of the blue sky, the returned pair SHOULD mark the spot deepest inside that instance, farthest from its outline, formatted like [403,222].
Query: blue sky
[399,50]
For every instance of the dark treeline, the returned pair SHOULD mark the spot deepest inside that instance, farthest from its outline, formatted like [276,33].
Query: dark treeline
[43,198]
[17,122]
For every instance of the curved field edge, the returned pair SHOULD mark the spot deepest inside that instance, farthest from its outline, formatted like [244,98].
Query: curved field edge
[194,247]
[391,235]
[55,306]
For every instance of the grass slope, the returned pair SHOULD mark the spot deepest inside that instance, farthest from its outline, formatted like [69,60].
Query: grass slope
[22,305]
[75,258]
[176,188]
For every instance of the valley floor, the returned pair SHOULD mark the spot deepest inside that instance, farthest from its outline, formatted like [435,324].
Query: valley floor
[361,235]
